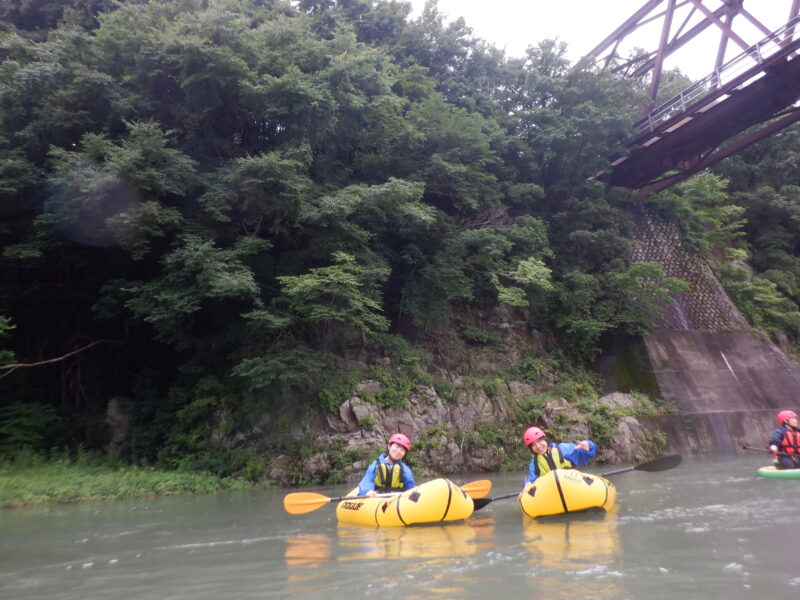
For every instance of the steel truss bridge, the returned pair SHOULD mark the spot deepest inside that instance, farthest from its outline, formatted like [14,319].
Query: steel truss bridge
[743,100]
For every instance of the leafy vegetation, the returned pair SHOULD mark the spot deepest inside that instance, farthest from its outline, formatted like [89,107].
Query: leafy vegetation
[219,214]
[29,479]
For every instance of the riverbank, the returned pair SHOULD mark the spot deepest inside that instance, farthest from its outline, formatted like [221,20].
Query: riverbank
[55,481]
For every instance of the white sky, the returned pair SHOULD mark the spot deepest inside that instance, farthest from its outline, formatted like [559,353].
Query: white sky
[582,24]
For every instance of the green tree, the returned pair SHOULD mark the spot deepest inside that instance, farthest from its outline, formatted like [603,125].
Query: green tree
[198,277]
[344,292]
[642,292]
[762,303]
[701,208]
[177,175]
[38,15]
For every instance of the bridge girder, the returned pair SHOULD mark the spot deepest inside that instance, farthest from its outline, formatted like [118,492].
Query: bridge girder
[759,87]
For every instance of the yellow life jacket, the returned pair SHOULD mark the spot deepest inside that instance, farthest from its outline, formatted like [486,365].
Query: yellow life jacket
[552,459]
[388,478]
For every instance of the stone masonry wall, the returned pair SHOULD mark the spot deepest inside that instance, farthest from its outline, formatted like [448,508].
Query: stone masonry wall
[705,306]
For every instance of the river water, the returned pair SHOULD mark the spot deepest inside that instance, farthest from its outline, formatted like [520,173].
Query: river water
[708,529]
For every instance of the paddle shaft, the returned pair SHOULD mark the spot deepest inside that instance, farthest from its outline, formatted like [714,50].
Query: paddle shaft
[659,464]
[623,470]
[340,498]
[479,503]
[504,496]
[768,451]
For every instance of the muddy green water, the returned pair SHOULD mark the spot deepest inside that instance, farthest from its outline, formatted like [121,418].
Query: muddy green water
[708,529]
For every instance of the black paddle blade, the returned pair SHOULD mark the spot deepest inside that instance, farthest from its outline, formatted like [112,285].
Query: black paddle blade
[481,502]
[661,464]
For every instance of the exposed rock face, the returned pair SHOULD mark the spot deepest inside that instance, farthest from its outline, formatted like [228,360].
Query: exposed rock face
[629,445]
[281,470]
[617,400]
[560,414]
[316,463]
[449,431]
[424,411]
[471,428]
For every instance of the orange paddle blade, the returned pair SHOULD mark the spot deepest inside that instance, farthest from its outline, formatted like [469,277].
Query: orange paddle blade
[477,489]
[299,503]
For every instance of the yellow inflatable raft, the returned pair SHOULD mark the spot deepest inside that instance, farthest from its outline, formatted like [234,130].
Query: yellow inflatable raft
[430,502]
[565,491]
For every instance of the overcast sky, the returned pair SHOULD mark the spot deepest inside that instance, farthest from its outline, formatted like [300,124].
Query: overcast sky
[582,24]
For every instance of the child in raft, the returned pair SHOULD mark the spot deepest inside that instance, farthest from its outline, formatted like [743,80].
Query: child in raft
[547,457]
[786,439]
[388,472]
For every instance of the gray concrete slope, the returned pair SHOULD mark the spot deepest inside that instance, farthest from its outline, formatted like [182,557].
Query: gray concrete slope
[727,386]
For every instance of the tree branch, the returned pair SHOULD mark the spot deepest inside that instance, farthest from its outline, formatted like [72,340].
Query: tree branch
[14,367]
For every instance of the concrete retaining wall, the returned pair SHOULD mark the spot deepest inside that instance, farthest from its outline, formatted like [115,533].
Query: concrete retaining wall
[726,380]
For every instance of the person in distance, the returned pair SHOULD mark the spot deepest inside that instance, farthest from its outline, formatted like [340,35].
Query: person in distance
[786,439]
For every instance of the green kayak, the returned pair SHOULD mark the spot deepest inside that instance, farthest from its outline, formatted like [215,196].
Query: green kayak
[779,473]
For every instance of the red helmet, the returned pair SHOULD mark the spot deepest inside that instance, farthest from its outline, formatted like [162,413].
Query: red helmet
[399,438]
[531,435]
[785,415]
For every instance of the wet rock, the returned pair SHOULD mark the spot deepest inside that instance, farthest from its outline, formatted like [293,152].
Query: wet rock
[618,400]
[316,467]
[520,391]
[560,415]
[485,459]
[629,443]
[280,470]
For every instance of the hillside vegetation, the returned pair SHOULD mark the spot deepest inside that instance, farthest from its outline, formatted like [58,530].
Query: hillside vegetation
[212,211]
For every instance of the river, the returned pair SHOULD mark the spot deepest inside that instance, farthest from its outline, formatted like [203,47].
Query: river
[709,528]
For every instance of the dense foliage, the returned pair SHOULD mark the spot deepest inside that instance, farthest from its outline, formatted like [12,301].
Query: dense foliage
[763,273]
[204,204]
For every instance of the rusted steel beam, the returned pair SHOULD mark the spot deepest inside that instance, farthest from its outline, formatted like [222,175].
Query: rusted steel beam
[792,117]
[793,12]
[676,44]
[714,18]
[661,53]
[757,89]
[652,61]
[627,27]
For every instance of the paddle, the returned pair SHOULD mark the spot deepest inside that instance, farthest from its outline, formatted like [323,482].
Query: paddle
[299,503]
[660,464]
[477,489]
[481,502]
[768,451]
